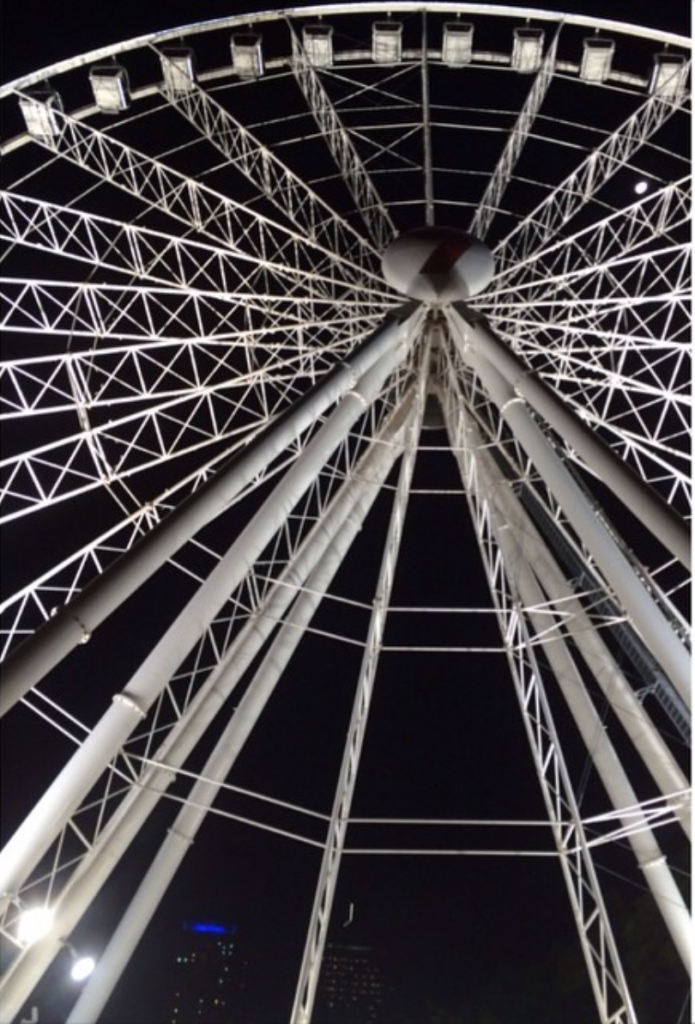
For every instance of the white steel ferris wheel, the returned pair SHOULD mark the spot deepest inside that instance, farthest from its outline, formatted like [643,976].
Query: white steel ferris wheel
[222,414]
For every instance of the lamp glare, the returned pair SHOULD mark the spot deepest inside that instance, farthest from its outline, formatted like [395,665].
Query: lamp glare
[34,924]
[82,968]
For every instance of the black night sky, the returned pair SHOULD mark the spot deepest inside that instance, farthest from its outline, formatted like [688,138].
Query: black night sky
[464,942]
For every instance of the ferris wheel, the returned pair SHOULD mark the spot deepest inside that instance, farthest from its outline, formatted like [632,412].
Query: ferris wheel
[273,285]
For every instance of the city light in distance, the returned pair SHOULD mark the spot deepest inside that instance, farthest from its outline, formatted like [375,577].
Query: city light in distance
[210,927]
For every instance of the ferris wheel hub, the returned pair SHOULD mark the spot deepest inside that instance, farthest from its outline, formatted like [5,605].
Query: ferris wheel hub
[438,265]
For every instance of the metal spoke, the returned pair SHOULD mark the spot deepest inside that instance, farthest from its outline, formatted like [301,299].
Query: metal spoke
[504,170]
[366,198]
[582,184]
[209,213]
[657,216]
[277,182]
[151,255]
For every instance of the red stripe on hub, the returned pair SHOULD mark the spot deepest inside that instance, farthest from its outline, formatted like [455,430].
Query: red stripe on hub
[443,258]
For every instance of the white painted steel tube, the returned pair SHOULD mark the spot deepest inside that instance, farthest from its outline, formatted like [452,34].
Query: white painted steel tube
[635,599]
[44,822]
[317,931]
[655,755]
[603,754]
[75,622]
[617,475]
[154,885]
[335,531]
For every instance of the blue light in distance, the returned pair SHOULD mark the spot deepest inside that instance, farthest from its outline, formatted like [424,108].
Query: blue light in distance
[210,928]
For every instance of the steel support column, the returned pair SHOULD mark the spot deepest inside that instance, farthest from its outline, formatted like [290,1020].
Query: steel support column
[639,604]
[623,700]
[182,834]
[332,533]
[593,924]
[652,510]
[34,836]
[335,841]
[648,854]
[426,128]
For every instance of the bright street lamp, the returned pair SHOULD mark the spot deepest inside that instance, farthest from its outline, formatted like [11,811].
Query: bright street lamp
[82,966]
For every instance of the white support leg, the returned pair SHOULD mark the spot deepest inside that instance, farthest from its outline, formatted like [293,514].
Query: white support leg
[656,515]
[605,971]
[620,792]
[646,616]
[334,533]
[34,836]
[657,758]
[154,885]
[335,842]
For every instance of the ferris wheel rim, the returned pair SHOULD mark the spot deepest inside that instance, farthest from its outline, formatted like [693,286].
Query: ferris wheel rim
[320,10]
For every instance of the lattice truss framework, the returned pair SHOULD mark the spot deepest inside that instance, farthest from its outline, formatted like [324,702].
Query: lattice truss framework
[178,277]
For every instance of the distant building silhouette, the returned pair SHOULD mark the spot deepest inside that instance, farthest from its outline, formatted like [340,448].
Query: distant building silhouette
[209,976]
[352,986]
